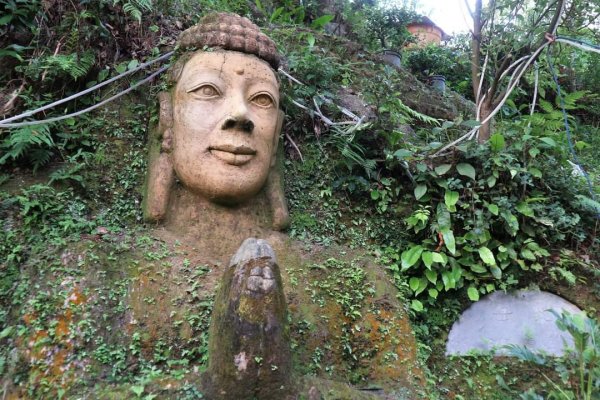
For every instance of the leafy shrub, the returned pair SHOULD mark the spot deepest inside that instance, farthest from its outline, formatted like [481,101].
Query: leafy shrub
[380,28]
[451,62]
[487,213]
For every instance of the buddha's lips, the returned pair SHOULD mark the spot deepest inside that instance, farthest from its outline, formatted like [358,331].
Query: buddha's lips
[232,155]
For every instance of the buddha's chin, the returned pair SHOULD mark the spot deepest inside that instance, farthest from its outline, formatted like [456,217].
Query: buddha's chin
[238,188]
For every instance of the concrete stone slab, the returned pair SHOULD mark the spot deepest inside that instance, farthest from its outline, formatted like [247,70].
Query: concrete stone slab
[519,318]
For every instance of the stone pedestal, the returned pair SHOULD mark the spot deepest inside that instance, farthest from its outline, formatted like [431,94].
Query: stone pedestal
[249,348]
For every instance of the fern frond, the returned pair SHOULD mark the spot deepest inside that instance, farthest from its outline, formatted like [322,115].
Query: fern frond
[72,64]
[133,11]
[145,5]
[23,139]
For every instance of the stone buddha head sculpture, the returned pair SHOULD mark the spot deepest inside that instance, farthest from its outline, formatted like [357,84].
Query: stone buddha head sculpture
[219,125]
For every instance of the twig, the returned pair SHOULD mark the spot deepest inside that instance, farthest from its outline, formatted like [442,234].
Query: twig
[314,112]
[481,77]
[535,89]
[295,147]
[290,77]
[460,139]
[56,50]
[344,110]
[10,103]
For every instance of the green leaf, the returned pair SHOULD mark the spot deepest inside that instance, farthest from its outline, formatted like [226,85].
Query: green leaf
[138,390]
[276,14]
[402,154]
[497,142]
[375,194]
[491,181]
[414,284]
[439,258]
[449,240]
[473,293]
[422,286]
[466,170]
[487,256]
[122,67]
[431,276]
[420,191]
[450,198]
[421,167]
[478,268]
[496,272]
[321,21]
[512,224]
[411,256]
[524,209]
[546,106]
[132,64]
[4,20]
[416,305]
[442,169]
[528,255]
[493,208]
[6,332]
[536,173]
[443,217]
[448,280]
[433,293]
[310,39]
[427,258]
[534,152]
[549,141]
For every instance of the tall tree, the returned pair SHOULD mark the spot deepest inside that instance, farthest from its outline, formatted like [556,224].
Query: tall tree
[507,37]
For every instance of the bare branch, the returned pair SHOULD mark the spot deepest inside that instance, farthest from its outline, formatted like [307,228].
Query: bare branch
[469,9]
[288,137]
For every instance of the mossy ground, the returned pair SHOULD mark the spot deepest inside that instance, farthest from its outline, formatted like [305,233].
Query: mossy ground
[97,304]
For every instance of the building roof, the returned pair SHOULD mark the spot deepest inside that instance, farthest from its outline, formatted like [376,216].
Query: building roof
[423,20]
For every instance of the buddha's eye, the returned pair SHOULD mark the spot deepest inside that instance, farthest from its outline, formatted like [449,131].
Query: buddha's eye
[206,91]
[263,100]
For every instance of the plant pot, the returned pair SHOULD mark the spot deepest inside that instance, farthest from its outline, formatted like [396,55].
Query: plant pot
[392,57]
[438,82]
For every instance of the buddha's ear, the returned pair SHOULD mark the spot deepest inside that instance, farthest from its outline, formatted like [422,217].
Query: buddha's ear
[280,118]
[160,175]
[165,116]
[159,183]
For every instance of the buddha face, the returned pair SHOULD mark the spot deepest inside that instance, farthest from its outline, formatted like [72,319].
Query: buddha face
[225,125]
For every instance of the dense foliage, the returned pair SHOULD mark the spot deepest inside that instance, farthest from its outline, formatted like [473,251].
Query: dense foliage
[450,228]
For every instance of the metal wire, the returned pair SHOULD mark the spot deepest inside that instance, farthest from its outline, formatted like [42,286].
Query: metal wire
[4,122]
[568,128]
[116,96]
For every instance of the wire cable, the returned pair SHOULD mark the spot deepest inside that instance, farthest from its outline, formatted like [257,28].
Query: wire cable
[568,127]
[84,92]
[116,96]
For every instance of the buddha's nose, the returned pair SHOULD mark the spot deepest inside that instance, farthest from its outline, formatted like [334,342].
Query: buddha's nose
[233,122]
[238,117]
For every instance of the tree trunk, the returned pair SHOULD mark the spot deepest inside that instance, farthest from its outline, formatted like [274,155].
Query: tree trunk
[476,50]
[485,129]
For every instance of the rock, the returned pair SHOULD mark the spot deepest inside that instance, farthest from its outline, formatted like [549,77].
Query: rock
[520,318]
[249,346]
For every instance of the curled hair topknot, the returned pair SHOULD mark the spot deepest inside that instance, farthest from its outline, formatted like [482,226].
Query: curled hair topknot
[230,32]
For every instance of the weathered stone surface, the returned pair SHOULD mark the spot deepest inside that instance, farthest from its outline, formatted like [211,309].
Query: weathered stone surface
[219,128]
[249,347]
[520,318]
